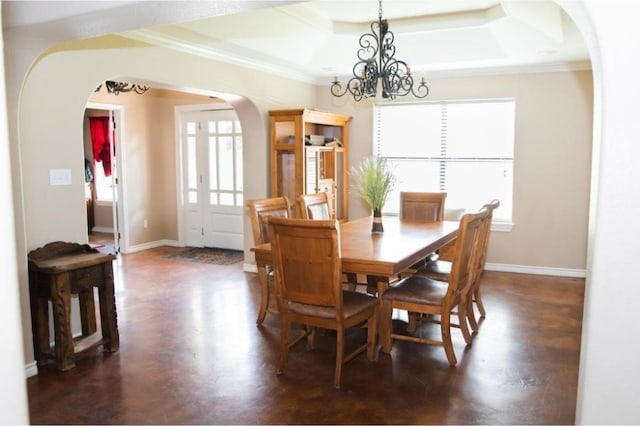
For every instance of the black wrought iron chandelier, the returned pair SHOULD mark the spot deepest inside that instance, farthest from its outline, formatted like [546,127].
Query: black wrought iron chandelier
[377,65]
[117,87]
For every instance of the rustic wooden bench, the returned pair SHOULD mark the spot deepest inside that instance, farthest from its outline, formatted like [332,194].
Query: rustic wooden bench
[56,271]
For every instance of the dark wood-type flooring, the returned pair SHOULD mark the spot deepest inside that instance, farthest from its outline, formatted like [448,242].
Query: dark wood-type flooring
[191,354]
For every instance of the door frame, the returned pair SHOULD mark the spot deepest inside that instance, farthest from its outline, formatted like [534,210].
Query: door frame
[120,223]
[178,111]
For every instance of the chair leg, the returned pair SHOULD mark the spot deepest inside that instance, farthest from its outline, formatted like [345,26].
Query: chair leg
[471,315]
[339,356]
[414,320]
[462,320]
[264,295]
[478,299]
[284,344]
[311,337]
[372,333]
[445,327]
[352,280]
[386,312]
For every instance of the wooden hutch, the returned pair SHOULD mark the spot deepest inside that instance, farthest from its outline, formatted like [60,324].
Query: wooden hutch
[297,167]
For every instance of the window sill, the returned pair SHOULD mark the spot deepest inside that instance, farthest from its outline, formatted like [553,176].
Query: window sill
[502,226]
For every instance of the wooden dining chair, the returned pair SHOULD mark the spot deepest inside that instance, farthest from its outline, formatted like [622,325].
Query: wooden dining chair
[314,206]
[422,206]
[422,295]
[308,273]
[441,269]
[259,212]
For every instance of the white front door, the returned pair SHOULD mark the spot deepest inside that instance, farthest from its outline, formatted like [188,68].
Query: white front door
[212,179]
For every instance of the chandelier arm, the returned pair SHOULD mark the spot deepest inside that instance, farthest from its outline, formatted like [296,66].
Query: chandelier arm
[117,87]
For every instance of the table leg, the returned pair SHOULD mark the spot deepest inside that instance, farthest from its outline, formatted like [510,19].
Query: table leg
[381,284]
[61,301]
[108,314]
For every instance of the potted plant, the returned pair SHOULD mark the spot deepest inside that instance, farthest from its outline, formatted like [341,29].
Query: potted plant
[374,181]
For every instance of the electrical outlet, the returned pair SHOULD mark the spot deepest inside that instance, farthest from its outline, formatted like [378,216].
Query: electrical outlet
[145,223]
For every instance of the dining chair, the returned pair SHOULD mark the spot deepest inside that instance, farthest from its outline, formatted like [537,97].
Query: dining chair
[259,212]
[446,251]
[441,269]
[314,206]
[308,274]
[422,295]
[421,206]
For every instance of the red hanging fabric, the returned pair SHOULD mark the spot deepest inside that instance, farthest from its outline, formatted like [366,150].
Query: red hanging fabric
[100,138]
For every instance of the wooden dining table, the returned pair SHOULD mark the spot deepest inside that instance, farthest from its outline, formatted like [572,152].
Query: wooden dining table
[380,257]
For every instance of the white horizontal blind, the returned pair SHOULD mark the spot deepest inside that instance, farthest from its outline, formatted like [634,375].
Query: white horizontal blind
[464,148]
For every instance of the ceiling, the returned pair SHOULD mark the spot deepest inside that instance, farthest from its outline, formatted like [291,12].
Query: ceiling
[315,40]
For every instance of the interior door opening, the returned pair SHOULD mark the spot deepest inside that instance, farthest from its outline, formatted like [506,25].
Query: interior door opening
[102,170]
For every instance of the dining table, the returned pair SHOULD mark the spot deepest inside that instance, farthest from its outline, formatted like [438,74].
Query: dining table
[381,257]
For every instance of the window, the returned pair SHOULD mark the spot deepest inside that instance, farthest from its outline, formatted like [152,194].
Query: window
[225,162]
[464,148]
[103,184]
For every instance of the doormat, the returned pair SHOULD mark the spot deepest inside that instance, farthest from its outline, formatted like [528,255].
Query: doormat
[212,255]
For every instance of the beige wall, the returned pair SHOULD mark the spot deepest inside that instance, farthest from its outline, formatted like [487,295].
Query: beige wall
[552,170]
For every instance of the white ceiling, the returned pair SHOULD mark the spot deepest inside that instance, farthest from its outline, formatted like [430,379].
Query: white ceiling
[314,40]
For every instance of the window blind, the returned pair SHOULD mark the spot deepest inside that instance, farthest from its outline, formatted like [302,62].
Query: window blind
[464,148]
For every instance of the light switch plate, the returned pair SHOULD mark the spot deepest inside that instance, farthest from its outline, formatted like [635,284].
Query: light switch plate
[59,177]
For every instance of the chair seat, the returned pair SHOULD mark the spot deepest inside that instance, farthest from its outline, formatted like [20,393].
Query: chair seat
[417,289]
[353,304]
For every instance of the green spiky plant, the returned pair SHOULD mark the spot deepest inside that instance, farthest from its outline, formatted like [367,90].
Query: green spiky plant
[374,181]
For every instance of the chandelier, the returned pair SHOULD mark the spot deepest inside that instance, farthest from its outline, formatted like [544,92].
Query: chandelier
[377,66]
[117,87]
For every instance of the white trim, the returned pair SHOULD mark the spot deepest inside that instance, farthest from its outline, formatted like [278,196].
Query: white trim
[31,369]
[102,229]
[500,267]
[537,270]
[501,226]
[104,203]
[154,244]
[150,36]
[250,267]
[456,70]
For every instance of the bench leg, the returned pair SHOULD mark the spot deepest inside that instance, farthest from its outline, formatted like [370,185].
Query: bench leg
[108,314]
[61,301]
[87,312]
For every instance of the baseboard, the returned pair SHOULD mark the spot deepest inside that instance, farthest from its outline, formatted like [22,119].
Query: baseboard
[102,229]
[250,267]
[153,244]
[500,267]
[537,270]
[31,369]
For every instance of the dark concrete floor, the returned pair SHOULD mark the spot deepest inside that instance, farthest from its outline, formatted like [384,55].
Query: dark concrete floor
[191,354]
